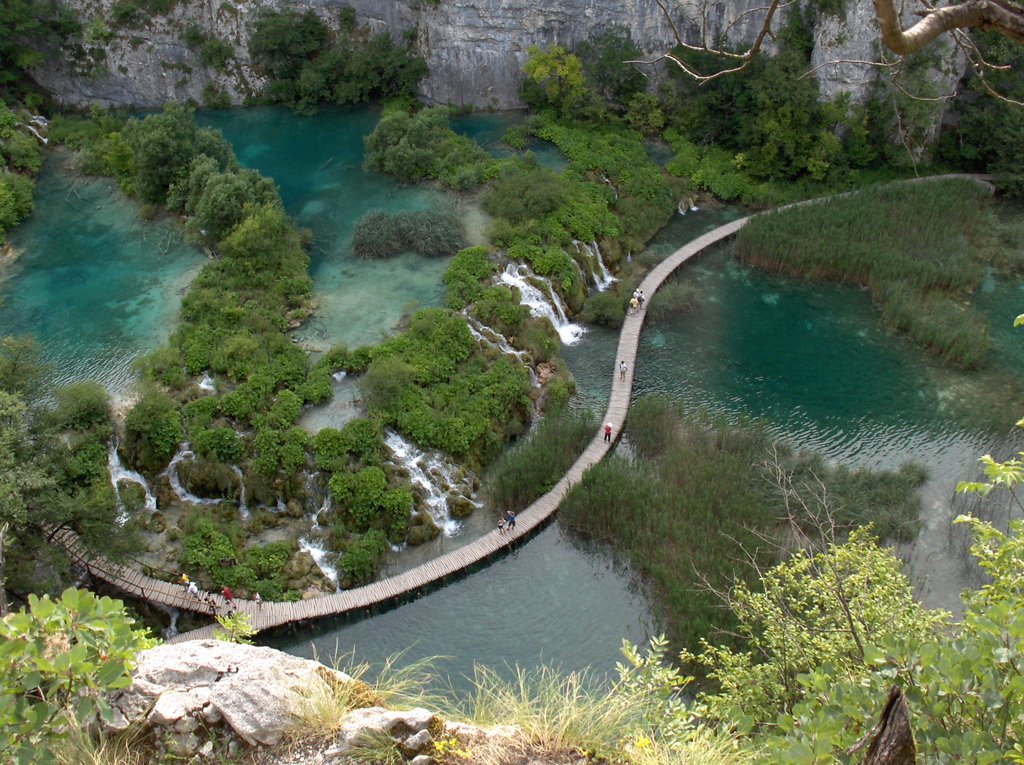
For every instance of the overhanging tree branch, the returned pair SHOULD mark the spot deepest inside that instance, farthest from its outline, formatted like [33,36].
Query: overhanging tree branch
[1000,16]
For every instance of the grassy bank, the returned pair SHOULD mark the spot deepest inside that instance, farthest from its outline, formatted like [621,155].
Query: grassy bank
[920,249]
[701,503]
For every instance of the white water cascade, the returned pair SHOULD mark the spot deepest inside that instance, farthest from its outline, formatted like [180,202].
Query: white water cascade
[686,204]
[315,547]
[184,453]
[491,338]
[207,383]
[119,473]
[602,278]
[518,275]
[421,470]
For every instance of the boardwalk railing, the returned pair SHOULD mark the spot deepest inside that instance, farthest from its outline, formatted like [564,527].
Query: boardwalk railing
[273,614]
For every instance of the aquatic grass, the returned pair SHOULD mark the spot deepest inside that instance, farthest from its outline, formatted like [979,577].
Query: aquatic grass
[701,504]
[434,232]
[920,248]
[530,468]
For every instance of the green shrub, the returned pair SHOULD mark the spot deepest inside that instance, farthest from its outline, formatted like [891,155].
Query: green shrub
[221,444]
[83,406]
[605,308]
[434,232]
[153,431]
[360,562]
[466,276]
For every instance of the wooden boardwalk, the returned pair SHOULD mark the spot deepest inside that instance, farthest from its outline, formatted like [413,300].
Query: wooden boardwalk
[435,571]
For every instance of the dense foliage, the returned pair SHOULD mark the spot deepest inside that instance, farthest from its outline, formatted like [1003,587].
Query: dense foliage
[919,248]
[308,63]
[57,660]
[20,161]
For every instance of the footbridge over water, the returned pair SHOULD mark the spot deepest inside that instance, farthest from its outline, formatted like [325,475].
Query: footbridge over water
[393,588]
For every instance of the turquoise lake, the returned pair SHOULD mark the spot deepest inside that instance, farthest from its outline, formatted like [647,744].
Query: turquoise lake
[95,284]
[98,287]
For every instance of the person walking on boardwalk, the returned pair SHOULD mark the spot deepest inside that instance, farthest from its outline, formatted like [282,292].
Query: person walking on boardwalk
[501,525]
[622,369]
[258,600]
[193,590]
[229,597]
[634,305]
[511,521]
[608,432]
[184,580]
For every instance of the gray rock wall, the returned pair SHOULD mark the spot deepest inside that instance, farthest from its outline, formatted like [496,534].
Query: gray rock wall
[475,48]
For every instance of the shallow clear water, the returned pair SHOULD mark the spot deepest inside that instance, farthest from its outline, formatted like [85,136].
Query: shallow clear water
[814,361]
[96,285]
[551,601]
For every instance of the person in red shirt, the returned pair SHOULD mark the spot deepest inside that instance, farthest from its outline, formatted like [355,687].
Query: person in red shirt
[229,596]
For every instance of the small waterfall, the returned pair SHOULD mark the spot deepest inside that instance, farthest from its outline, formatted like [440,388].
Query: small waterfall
[319,554]
[207,384]
[602,279]
[31,127]
[173,614]
[315,547]
[420,467]
[686,204]
[243,507]
[183,453]
[119,473]
[611,185]
[491,338]
[339,376]
[541,305]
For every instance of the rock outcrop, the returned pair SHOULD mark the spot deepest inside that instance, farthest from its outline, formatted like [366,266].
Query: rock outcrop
[475,48]
[195,696]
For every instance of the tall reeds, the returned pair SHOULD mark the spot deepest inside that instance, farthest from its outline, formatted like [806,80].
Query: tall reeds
[920,248]
[434,232]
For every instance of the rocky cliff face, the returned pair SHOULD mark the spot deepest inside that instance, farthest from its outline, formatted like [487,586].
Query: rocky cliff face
[475,48]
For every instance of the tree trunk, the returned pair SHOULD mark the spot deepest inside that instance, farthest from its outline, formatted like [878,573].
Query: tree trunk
[3,589]
[893,743]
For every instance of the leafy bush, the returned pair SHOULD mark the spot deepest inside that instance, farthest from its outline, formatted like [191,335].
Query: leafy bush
[360,561]
[83,406]
[61,658]
[221,444]
[153,431]
[466,276]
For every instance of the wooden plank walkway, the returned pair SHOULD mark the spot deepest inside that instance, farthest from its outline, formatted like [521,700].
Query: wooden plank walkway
[273,614]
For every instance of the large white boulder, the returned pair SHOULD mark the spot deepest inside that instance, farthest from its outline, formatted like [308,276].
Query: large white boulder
[255,690]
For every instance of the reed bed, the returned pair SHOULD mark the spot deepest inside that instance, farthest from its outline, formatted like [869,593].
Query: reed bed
[920,248]
[700,504]
[435,232]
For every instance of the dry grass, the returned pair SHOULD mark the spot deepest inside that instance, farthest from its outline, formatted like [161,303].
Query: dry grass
[81,747]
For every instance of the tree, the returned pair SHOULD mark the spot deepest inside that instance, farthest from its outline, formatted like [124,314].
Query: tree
[553,78]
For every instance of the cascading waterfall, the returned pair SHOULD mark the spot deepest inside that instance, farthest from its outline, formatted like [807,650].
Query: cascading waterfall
[420,468]
[119,473]
[243,507]
[491,338]
[315,547]
[602,278]
[183,453]
[541,305]
[686,204]
[207,383]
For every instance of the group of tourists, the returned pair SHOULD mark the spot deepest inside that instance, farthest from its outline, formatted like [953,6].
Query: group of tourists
[208,599]
[507,521]
[637,301]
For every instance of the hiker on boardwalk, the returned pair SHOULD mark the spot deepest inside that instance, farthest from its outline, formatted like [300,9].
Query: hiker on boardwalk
[608,432]
[511,521]
[634,305]
[640,297]
[193,590]
[501,525]
[622,369]
[184,580]
[259,601]
[229,597]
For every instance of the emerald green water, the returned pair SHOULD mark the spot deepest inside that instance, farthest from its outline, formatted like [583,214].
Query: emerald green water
[814,361]
[94,284]
[317,163]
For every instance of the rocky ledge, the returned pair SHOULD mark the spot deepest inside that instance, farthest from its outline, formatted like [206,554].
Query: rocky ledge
[208,700]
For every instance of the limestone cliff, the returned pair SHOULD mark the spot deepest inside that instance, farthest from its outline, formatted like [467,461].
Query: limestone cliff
[475,48]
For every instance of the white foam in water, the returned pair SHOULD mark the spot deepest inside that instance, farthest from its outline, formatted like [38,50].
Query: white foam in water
[420,467]
[540,305]
[602,278]
[207,383]
[319,553]
[118,473]
[183,453]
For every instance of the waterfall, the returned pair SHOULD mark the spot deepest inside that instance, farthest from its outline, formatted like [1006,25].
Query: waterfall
[243,507]
[32,129]
[491,338]
[207,383]
[686,203]
[319,554]
[183,453]
[118,473]
[602,279]
[421,467]
[541,305]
